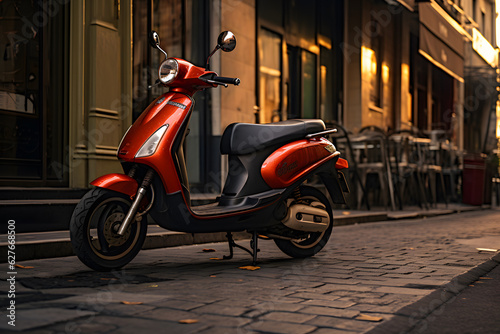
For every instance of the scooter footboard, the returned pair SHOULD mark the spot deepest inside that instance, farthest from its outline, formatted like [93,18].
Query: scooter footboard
[117,182]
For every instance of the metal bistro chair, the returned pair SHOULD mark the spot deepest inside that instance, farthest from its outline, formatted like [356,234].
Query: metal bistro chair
[371,152]
[450,162]
[431,168]
[407,170]
[341,140]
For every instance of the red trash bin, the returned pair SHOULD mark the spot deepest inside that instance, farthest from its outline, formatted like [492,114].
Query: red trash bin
[473,179]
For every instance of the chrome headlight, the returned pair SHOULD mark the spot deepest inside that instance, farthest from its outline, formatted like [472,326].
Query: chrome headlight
[168,71]
[149,147]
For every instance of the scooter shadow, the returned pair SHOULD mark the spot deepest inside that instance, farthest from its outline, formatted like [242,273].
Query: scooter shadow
[144,269]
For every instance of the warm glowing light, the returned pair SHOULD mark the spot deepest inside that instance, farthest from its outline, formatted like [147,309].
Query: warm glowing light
[369,61]
[385,73]
[405,71]
[314,49]
[405,85]
[498,119]
[484,48]
[270,71]
[497,25]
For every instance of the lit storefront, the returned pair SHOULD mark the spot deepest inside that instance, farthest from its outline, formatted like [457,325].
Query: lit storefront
[480,95]
[377,58]
[299,60]
[437,73]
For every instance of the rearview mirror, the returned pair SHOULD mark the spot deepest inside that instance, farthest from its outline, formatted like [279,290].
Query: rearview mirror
[226,41]
[154,39]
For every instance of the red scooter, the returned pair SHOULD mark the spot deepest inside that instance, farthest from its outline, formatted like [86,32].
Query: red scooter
[264,192]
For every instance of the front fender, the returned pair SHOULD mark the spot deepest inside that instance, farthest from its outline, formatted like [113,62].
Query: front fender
[117,182]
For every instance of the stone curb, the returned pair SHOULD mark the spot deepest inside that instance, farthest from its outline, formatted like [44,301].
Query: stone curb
[35,250]
[414,316]
[32,250]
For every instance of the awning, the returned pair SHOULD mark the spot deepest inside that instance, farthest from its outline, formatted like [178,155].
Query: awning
[440,42]
[409,4]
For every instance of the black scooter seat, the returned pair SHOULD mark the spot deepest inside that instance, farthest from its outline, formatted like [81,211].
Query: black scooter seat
[245,138]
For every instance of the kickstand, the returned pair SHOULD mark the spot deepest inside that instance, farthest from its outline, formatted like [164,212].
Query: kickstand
[232,244]
[255,250]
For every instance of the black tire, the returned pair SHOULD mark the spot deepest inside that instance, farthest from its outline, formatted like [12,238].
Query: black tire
[315,241]
[92,228]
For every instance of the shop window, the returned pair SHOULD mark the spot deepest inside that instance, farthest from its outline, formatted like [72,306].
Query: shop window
[327,111]
[33,93]
[271,11]
[293,88]
[296,76]
[300,19]
[302,83]
[421,108]
[309,84]
[165,17]
[331,34]
[375,64]
[442,100]
[183,30]
[270,55]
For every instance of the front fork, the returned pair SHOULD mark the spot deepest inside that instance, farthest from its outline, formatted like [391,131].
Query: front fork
[141,191]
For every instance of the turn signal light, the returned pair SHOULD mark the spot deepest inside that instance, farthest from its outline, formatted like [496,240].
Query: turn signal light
[341,164]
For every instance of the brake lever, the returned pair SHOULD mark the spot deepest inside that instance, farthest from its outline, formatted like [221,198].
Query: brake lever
[216,83]
[157,83]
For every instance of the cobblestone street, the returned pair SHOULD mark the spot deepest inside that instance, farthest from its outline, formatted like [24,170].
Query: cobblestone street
[360,280]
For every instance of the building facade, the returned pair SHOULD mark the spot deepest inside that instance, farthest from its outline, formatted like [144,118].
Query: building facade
[75,75]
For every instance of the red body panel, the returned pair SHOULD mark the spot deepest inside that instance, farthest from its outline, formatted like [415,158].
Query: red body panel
[187,80]
[294,160]
[171,108]
[118,182]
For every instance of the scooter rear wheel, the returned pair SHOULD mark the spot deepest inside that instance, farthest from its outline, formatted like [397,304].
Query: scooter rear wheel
[93,230]
[306,247]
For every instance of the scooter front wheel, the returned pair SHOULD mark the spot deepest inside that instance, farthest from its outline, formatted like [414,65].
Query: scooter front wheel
[302,248]
[93,230]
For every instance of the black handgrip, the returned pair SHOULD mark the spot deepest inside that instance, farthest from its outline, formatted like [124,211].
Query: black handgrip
[224,80]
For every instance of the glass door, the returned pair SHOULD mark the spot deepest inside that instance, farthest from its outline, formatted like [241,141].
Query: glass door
[184,32]
[308,84]
[270,60]
[33,94]
[301,84]
[294,82]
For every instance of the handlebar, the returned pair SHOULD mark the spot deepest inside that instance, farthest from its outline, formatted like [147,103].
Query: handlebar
[225,80]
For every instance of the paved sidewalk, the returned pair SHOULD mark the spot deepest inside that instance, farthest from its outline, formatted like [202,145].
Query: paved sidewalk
[41,245]
[364,277]
[475,310]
